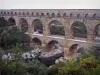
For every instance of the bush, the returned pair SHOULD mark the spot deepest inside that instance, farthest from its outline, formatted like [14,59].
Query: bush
[70,68]
[36,68]
[87,66]
[12,68]
[53,70]
[88,63]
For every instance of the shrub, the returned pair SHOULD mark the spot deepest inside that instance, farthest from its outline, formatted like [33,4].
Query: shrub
[36,68]
[53,70]
[87,66]
[12,68]
[89,62]
[71,68]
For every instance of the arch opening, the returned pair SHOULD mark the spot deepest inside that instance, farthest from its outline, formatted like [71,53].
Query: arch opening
[42,14]
[36,44]
[53,14]
[64,15]
[11,21]
[52,52]
[36,41]
[72,50]
[23,24]
[2,17]
[79,30]
[78,16]
[97,33]
[38,27]
[58,15]
[37,14]
[96,16]
[71,15]
[86,16]
[75,50]
[48,15]
[56,28]
[54,46]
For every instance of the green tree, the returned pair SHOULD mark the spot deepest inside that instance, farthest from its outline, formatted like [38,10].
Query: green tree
[36,68]
[16,50]
[12,68]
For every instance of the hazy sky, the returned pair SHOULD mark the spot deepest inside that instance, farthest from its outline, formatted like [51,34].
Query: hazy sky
[49,4]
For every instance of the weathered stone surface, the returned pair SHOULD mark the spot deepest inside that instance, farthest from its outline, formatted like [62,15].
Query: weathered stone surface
[90,18]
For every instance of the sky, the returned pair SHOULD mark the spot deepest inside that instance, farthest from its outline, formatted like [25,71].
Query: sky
[49,4]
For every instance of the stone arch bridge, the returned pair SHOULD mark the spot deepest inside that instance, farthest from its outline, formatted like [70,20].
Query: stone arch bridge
[89,17]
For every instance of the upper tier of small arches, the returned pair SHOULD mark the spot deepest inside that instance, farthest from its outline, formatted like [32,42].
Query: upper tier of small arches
[65,15]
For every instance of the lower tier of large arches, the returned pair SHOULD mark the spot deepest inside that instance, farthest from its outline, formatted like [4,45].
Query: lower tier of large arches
[53,47]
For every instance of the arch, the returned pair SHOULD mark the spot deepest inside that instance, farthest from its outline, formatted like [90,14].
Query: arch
[78,29]
[8,13]
[86,16]
[53,15]
[11,21]
[11,13]
[4,12]
[52,42]
[36,41]
[56,28]
[32,13]
[38,27]
[2,17]
[42,14]
[15,13]
[71,15]
[64,15]
[78,15]
[19,13]
[37,14]
[76,50]
[58,15]
[96,31]
[23,24]
[52,45]
[48,14]
[73,47]
[95,16]
[72,50]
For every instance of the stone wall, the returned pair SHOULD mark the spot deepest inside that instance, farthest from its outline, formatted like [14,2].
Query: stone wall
[90,17]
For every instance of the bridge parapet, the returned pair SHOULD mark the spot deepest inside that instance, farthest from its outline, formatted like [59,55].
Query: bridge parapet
[57,13]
